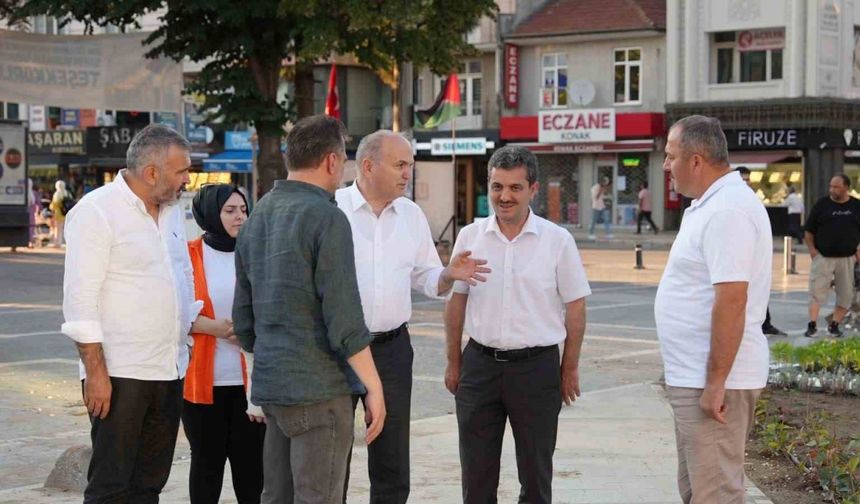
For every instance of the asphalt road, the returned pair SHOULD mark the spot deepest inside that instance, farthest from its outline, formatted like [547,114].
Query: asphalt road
[42,413]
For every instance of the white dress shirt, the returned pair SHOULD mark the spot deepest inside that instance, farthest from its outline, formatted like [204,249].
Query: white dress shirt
[394,253]
[128,283]
[522,303]
[725,236]
[794,202]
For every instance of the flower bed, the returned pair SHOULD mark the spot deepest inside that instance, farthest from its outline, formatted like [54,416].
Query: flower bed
[831,366]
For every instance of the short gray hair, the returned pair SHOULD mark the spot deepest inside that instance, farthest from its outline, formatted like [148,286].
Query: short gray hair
[703,136]
[510,157]
[371,145]
[150,146]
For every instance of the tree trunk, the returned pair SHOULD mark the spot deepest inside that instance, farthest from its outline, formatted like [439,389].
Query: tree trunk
[270,161]
[395,100]
[304,89]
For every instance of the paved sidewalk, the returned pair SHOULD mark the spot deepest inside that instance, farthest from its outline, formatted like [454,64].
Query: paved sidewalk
[615,446]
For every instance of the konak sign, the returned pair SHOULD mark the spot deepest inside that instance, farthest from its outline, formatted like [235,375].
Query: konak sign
[576,126]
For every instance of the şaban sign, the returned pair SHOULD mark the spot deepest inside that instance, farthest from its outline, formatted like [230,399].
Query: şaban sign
[512,75]
[576,126]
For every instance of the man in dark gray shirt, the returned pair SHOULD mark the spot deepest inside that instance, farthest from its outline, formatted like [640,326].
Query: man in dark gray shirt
[297,314]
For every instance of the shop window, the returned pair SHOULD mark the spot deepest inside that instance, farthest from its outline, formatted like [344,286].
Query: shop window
[627,75]
[554,90]
[750,56]
[13,111]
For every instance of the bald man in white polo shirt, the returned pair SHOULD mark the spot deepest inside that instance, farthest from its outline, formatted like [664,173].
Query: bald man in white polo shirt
[709,310]
[533,302]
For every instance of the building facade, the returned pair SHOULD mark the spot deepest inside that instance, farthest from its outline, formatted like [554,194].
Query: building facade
[585,90]
[783,76]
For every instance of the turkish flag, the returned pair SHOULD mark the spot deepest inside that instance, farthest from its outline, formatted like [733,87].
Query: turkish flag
[332,105]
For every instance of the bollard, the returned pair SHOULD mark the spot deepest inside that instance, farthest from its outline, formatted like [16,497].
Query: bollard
[638,250]
[789,257]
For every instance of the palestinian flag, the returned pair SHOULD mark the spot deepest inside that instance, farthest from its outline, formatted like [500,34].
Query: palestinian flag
[446,107]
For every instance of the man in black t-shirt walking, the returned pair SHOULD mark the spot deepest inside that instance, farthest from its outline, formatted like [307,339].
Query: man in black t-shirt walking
[832,236]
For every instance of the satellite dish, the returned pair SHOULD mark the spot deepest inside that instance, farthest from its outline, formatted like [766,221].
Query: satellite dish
[581,92]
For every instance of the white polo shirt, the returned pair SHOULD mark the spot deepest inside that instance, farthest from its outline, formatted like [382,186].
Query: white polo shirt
[725,236]
[533,276]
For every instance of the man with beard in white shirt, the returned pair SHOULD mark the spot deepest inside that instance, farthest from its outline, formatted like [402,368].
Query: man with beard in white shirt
[128,305]
[709,310]
[394,254]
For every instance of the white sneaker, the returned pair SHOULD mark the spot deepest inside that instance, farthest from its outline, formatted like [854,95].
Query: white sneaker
[610,236]
[592,237]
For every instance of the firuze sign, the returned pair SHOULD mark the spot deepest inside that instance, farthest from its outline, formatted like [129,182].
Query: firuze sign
[576,126]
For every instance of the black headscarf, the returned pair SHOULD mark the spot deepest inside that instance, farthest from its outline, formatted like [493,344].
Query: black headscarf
[206,208]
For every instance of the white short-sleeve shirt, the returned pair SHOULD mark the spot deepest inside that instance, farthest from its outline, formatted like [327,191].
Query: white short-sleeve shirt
[725,236]
[533,276]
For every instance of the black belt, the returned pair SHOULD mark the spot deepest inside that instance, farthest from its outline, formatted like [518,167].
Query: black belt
[384,337]
[511,355]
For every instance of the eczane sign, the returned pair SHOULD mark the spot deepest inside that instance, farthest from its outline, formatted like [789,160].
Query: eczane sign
[576,126]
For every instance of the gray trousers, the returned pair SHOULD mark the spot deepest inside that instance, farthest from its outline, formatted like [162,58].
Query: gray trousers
[305,451]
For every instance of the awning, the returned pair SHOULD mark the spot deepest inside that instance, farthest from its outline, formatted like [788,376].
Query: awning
[237,161]
[761,157]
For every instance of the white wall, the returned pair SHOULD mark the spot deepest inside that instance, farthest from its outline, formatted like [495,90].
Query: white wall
[593,61]
[434,193]
[817,58]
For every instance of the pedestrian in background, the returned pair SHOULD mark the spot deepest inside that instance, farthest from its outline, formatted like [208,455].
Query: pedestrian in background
[794,202]
[220,423]
[60,203]
[767,326]
[832,235]
[645,209]
[511,369]
[297,313]
[599,210]
[709,310]
[34,204]
[128,305]
[394,254]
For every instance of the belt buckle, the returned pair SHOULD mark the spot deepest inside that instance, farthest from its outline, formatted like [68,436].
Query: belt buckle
[496,356]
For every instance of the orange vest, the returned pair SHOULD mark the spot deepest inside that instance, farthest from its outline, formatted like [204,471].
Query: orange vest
[200,376]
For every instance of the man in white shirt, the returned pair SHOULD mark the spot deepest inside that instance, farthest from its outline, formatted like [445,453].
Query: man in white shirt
[394,253]
[128,305]
[533,302]
[709,310]
[794,202]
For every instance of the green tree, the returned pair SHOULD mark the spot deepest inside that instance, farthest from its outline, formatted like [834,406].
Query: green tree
[247,47]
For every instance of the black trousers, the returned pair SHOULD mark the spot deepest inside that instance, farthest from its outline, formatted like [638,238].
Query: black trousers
[388,455]
[794,228]
[647,216]
[526,392]
[218,432]
[133,446]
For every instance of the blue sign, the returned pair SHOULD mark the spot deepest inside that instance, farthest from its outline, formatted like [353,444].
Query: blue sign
[169,119]
[237,140]
[70,117]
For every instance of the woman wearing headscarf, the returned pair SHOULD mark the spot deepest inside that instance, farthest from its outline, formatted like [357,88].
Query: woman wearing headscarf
[219,422]
[58,209]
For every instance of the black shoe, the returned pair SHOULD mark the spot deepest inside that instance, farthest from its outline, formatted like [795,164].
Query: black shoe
[811,330]
[834,330]
[772,331]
